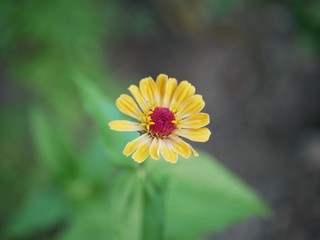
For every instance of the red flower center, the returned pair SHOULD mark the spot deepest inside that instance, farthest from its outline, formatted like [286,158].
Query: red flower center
[162,118]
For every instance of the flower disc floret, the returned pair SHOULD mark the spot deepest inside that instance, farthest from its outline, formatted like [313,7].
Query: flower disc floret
[162,122]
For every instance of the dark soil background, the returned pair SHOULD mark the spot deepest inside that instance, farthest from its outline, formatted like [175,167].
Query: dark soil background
[261,87]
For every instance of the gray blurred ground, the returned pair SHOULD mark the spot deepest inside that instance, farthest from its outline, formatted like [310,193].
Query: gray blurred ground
[261,88]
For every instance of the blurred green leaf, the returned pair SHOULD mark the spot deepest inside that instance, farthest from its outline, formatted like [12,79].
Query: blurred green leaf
[307,20]
[204,197]
[91,221]
[54,147]
[102,110]
[95,165]
[40,211]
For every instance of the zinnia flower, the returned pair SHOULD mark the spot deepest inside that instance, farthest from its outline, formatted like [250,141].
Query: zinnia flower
[165,112]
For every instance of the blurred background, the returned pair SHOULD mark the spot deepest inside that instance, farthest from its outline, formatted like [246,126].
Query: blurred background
[256,63]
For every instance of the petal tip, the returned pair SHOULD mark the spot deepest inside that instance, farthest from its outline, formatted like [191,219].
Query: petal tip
[138,160]
[162,75]
[124,152]
[132,86]
[110,125]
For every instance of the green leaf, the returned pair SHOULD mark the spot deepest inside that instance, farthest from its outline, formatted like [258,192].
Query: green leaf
[41,210]
[102,110]
[204,197]
[95,166]
[53,146]
[91,221]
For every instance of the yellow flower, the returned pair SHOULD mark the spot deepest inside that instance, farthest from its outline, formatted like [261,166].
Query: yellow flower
[165,112]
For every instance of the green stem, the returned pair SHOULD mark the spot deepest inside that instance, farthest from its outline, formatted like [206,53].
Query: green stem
[154,210]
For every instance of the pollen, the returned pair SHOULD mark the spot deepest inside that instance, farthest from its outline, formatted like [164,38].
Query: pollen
[163,122]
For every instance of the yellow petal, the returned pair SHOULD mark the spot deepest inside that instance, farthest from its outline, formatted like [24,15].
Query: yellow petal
[179,146]
[128,106]
[197,135]
[191,106]
[134,90]
[195,121]
[183,92]
[125,126]
[167,152]
[142,151]
[161,83]
[194,152]
[132,146]
[154,149]
[148,90]
[170,88]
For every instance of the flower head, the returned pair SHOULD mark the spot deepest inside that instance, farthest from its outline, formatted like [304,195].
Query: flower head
[165,111]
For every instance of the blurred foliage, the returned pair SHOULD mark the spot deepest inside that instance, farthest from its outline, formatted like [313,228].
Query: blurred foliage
[307,17]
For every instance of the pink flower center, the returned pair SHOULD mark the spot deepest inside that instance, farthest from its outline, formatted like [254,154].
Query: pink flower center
[162,118]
